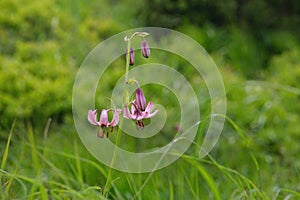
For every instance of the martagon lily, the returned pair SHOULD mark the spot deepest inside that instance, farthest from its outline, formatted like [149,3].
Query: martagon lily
[103,121]
[139,111]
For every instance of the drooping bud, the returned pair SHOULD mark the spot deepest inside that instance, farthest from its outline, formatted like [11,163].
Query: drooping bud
[131,56]
[145,49]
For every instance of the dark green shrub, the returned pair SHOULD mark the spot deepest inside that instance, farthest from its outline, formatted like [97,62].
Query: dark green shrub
[35,74]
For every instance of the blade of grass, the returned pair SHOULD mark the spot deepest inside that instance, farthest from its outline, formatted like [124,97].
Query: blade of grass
[179,182]
[245,179]
[132,184]
[5,154]
[56,171]
[297,194]
[33,191]
[46,130]
[30,180]
[78,165]
[197,185]
[12,179]
[71,156]
[43,192]
[169,146]
[156,185]
[207,178]
[171,189]
[33,149]
[226,171]
[244,139]
[40,189]
[34,182]
[119,195]
[188,180]
[4,160]
[92,188]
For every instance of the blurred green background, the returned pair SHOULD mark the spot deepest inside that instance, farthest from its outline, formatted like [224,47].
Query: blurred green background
[255,45]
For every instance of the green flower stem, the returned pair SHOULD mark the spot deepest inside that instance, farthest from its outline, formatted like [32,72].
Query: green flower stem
[125,101]
[127,62]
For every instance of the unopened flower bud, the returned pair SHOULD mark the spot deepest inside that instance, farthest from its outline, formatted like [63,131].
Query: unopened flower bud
[131,58]
[145,49]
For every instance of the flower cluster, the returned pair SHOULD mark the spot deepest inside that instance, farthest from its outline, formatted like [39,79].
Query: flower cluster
[139,110]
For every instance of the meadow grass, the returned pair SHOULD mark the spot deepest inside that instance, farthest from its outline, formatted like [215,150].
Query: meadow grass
[56,168]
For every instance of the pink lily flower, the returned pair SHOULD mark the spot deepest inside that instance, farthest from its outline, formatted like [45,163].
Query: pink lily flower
[103,121]
[139,111]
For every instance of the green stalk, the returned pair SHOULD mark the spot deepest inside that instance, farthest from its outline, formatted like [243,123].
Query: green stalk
[125,100]
[127,63]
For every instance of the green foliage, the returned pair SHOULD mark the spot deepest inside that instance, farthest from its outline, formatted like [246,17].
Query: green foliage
[34,84]
[252,32]
[35,75]
[268,112]
[25,21]
[285,68]
[256,16]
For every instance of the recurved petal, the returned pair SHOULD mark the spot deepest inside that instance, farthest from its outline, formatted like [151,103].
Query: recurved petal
[133,107]
[115,119]
[147,113]
[149,107]
[92,117]
[103,118]
[153,114]
[127,112]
